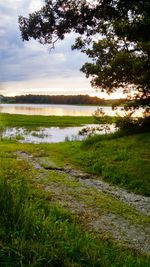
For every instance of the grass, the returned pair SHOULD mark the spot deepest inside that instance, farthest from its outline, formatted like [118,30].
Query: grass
[118,160]
[37,233]
[11,120]
[63,188]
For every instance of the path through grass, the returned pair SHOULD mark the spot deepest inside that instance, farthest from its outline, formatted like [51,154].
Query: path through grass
[39,227]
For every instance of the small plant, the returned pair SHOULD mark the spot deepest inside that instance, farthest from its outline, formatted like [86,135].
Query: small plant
[100,117]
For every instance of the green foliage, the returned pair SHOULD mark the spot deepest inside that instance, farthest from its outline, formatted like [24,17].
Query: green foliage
[129,125]
[120,56]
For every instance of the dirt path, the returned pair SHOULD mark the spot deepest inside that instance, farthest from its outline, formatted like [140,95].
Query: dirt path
[107,210]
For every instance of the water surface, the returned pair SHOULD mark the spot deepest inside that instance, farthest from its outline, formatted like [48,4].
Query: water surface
[57,110]
[54,134]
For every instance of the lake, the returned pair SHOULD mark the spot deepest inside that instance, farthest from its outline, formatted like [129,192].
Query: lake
[57,110]
[55,134]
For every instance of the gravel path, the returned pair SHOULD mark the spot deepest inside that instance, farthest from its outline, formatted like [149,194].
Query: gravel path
[140,203]
[115,226]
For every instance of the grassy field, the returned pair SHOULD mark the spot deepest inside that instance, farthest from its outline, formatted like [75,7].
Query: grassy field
[37,227]
[121,160]
[36,232]
[11,120]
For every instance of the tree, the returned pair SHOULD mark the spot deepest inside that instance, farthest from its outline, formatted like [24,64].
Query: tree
[115,35]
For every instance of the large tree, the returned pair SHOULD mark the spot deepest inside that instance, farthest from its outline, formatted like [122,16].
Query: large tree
[115,34]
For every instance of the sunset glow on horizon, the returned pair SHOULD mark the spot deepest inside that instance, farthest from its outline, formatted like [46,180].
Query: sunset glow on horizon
[29,67]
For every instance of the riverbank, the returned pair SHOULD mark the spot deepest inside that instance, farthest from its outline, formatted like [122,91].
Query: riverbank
[72,203]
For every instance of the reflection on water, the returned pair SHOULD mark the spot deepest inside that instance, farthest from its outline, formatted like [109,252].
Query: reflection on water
[52,134]
[57,110]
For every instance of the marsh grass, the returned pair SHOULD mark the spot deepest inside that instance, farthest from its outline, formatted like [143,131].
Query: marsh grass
[121,160]
[37,233]
[33,122]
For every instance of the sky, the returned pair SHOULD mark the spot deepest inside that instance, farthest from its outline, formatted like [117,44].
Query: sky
[30,67]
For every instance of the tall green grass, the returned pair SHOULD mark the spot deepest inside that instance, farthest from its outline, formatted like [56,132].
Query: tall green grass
[36,233]
[13,120]
[121,160]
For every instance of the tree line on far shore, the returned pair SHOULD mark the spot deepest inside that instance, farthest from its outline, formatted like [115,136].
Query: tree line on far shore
[62,99]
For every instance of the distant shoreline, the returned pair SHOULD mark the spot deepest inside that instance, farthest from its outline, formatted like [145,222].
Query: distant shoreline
[77,100]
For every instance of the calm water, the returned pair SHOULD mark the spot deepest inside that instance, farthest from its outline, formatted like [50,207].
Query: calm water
[53,134]
[58,110]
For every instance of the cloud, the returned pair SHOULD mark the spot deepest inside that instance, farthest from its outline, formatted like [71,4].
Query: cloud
[35,5]
[27,62]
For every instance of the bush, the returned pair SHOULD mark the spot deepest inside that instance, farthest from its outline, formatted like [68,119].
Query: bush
[129,124]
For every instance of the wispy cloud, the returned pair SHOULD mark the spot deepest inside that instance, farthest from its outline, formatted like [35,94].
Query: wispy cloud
[29,67]
[25,62]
